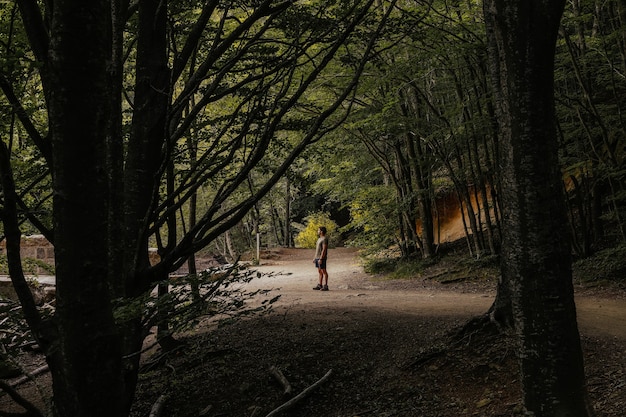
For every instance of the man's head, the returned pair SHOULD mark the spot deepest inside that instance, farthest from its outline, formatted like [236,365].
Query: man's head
[322,231]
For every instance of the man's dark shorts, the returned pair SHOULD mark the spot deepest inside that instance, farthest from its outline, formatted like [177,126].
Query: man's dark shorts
[320,263]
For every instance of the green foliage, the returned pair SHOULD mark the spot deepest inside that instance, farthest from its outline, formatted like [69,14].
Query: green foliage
[395,267]
[193,298]
[31,266]
[589,104]
[374,265]
[451,266]
[374,216]
[14,332]
[22,82]
[308,236]
[409,268]
[422,89]
[606,265]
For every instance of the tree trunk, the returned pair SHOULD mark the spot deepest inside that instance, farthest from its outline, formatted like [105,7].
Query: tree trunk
[287,237]
[420,172]
[105,189]
[536,260]
[420,175]
[89,381]
[144,165]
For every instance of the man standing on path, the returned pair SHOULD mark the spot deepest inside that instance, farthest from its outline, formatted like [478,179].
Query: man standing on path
[321,253]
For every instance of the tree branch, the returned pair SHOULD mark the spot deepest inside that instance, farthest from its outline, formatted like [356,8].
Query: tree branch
[35,28]
[13,240]
[31,410]
[42,143]
[300,396]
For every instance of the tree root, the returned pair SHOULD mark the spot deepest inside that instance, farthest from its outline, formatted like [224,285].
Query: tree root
[480,325]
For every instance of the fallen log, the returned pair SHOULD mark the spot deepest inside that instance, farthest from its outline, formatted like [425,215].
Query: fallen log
[29,376]
[300,396]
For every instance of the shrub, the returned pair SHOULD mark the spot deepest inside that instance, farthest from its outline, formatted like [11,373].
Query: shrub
[308,237]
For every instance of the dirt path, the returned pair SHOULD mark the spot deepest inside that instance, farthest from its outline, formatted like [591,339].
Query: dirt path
[294,276]
[369,331]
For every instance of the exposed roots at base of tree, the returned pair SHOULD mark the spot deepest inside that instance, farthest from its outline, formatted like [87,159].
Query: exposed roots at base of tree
[478,328]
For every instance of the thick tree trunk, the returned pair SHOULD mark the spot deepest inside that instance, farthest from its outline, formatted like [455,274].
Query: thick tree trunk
[101,233]
[144,165]
[536,260]
[89,381]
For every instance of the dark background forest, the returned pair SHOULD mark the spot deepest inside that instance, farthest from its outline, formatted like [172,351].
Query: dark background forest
[201,128]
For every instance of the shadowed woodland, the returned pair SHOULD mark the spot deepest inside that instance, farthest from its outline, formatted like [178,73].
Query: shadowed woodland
[142,138]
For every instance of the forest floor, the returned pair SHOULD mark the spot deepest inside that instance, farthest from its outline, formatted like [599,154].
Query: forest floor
[389,344]
[375,346]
